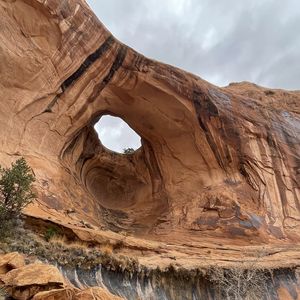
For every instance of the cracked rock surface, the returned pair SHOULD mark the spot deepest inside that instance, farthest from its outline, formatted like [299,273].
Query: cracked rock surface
[216,166]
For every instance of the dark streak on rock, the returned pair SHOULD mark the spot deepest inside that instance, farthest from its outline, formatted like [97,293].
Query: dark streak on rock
[99,87]
[294,149]
[88,62]
[153,167]
[81,70]
[277,167]
[205,108]
[48,109]
[116,65]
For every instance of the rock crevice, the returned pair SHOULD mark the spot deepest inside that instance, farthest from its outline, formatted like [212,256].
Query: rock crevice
[237,147]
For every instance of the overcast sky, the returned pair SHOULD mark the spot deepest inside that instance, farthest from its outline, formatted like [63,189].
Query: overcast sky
[221,41]
[116,135]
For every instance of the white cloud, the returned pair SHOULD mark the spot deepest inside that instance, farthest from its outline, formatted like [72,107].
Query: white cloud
[221,41]
[116,135]
[224,40]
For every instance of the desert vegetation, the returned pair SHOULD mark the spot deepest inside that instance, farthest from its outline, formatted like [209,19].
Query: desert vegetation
[16,192]
[245,281]
[239,283]
[128,150]
[3,294]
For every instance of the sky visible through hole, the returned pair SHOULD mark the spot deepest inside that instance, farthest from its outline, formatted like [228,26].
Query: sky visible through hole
[221,41]
[116,135]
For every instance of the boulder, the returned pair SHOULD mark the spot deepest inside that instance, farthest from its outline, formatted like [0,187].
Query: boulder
[11,261]
[26,281]
[56,294]
[95,293]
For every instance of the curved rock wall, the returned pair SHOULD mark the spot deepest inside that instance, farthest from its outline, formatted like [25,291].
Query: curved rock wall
[214,161]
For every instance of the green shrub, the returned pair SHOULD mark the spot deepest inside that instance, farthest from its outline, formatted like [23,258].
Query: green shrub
[128,150]
[50,233]
[16,193]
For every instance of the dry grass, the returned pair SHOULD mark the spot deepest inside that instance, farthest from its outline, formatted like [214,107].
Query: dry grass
[78,244]
[3,293]
[59,248]
[63,241]
[245,281]
[106,248]
[239,284]
[58,239]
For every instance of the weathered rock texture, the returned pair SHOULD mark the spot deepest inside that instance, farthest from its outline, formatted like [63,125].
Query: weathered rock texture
[42,282]
[214,163]
[11,261]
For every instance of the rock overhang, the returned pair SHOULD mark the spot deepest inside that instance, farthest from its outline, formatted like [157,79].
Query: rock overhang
[214,161]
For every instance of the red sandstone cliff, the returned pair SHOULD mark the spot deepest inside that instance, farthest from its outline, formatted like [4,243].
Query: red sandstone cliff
[217,165]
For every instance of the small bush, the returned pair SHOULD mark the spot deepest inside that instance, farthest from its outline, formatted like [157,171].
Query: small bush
[3,293]
[269,92]
[16,184]
[245,281]
[50,233]
[239,283]
[128,150]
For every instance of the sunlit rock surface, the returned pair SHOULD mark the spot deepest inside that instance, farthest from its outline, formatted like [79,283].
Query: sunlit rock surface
[219,168]
[39,281]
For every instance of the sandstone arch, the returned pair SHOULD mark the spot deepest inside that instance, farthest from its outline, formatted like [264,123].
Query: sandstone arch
[214,161]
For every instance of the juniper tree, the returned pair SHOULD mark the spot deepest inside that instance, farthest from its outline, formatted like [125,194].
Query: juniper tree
[16,193]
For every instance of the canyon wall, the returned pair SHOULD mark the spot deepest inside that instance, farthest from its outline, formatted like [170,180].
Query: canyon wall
[216,164]
[212,159]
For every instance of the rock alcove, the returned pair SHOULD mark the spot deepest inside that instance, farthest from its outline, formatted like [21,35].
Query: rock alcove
[219,161]
[217,171]
[127,187]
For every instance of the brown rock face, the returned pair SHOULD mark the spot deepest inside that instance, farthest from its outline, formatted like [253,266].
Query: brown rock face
[42,282]
[214,162]
[23,283]
[11,261]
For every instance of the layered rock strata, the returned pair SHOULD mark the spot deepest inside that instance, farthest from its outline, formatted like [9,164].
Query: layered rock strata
[219,165]
[21,282]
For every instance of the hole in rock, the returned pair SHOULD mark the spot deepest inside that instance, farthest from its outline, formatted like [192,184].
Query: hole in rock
[116,135]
